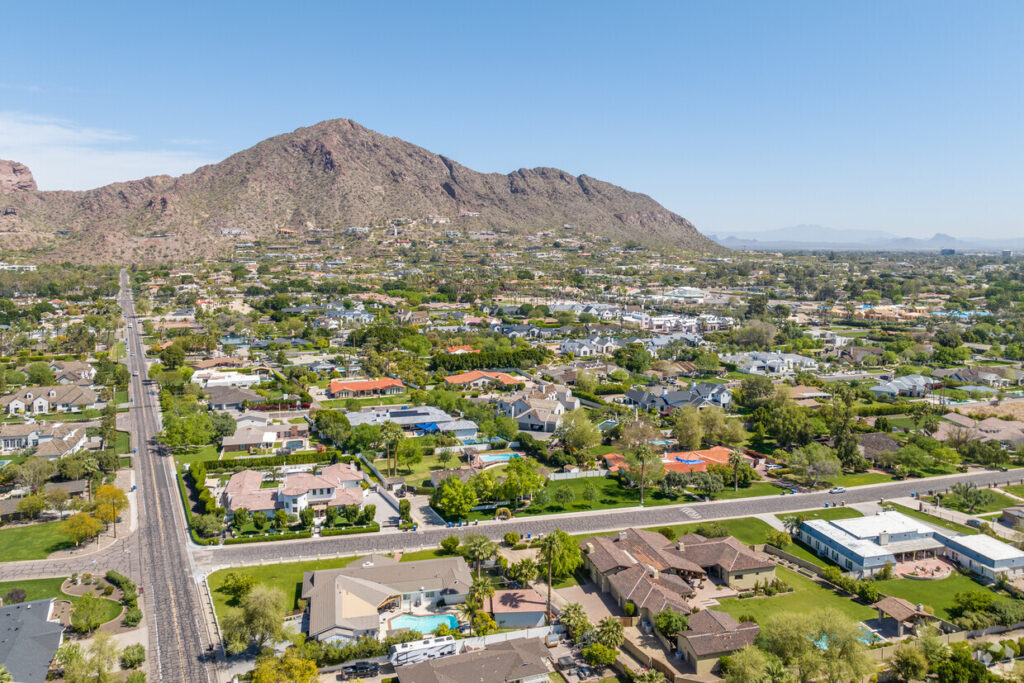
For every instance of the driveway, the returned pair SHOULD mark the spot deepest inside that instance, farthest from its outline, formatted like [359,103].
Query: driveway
[596,604]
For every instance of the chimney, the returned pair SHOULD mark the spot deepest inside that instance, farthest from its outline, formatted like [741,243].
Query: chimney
[590,548]
[652,571]
[680,546]
[622,535]
[883,538]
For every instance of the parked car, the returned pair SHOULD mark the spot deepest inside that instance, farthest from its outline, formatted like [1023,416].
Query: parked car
[837,489]
[361,669]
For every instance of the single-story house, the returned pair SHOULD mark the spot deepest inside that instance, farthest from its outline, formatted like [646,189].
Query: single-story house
[710,635]
[524,660]
[518,608]
[385,386]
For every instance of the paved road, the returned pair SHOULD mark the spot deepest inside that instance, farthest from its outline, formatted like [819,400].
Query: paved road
[172,601]
[209,559]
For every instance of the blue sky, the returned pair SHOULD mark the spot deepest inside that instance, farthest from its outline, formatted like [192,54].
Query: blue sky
[899,116]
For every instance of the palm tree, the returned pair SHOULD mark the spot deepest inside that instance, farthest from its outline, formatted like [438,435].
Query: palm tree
[468,611]
[735,460]
[775,672]
[390,435]
[561,555]
[792,523]
[482,588]
[477,548]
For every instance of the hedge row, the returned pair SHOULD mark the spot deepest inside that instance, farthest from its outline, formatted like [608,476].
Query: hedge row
[584,396]
[188,515]
[876,409]
[276,460]
[271,537]
[347,531]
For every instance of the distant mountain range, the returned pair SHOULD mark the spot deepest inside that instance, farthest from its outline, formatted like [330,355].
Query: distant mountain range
[814,237]
[328,176]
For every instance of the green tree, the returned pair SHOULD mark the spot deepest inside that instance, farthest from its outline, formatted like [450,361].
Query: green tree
[909,663]
[237,585]
[31,506]
[575,620]
[482,589]
[560,555]
[110,502]
[81,527]
[476,548]
[669,622]
[391,435]
[597,654]
[707,484]
[686,428]
[747,665]
[736,460]
[814,463]
[454,498]
[644,467]
[87,614]
[523,572]
[39,374]
[577,434]
[306,517]
[564,496]
[259,620]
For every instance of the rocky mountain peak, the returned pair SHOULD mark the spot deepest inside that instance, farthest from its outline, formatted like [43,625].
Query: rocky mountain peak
[15,176]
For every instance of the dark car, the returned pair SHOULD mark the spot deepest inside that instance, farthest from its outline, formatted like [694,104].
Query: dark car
[361,669]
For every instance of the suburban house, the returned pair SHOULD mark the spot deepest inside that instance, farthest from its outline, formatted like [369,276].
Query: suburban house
[61,398]
[770,362]
[682,461]
[365,387]
[864,545]
[359,600]
[710,635]
[17,437]
[32,635]
[288,437]
[416,420]
[914,386]
[73,372]
[664,400]
[336,486]
[660,572]
[1008,433]
[539,409]
[220,378]
[231,398]
[524,660]
[478,379]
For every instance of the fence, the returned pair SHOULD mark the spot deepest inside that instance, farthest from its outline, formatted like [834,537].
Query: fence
[798,561]
[582,474]
[484,641]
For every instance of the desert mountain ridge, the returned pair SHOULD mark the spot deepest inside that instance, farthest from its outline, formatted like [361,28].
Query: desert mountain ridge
[332,175]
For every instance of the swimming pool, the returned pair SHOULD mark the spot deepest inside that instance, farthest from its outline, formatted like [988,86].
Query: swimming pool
[423,624]
[497,457]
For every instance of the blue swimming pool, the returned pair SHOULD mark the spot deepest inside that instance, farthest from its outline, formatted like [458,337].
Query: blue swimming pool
[497,457]
[423,624]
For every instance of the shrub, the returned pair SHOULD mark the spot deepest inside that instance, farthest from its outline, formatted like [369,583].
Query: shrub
[630,609]
[132,617]
[346,531]
[597,654]
[132,656]
[668,532]
[450,544]
[136,677]
[14,596]
[108,590]
[711,530]
[511,538]
[777,538]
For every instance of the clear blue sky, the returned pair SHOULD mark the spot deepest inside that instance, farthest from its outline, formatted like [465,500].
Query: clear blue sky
[899,116]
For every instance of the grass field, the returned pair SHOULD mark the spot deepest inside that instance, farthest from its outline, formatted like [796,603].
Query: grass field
[196,454]
[823,513]
[40,589]
[807,596]
[757,488]
[935,594]
[343,403]
[861,479]
[934,521]
[34,542]
[998,502]
[123,443]
[120,397]
[1015,489]
[287,577]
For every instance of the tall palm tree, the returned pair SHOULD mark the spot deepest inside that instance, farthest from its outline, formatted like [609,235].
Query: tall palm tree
[735,460]
[477,548]
[390,434]
[561,555]
[482,588]
[468,611]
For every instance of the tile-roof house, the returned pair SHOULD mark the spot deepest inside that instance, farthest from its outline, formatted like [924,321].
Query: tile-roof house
[336,486]
[711,634]
[727,559]
[230,398]
[369,387]
[31,636]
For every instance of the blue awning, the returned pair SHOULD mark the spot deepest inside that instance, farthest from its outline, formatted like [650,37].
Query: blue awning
[427,426]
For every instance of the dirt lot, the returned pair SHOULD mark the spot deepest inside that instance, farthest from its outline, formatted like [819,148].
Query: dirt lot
[1014,410]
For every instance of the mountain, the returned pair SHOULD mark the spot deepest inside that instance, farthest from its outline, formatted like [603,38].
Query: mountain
[817,237]
[334,174]
[15,177]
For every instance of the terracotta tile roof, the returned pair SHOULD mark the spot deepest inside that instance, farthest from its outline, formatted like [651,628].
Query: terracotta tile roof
[474,375]
[364,385]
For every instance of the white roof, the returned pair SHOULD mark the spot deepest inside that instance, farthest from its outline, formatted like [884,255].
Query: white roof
[989,547]
[864,548]
[888,521]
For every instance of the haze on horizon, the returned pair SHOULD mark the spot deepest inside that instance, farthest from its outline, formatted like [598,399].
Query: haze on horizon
[905,117]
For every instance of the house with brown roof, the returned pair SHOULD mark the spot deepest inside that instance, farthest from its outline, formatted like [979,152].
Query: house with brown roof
[60,398]
[524,660]
[336,486]
[728,560]
[518,608]
[709,636]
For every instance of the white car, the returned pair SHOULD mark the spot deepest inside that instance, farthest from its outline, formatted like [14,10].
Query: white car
[837,489]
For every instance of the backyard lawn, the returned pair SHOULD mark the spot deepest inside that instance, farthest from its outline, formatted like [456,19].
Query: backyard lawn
[40,589]
[287,577]
[33,542]
[807,596]
[935,594]
[934,521]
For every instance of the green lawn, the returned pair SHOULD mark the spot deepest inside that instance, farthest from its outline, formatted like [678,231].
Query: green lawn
[861,479]
[287,577]
[935,594]
[934,521]
[807,596]
[40,589]
[998,502]
[34,542]
[1015,489]
[341,403]
[123,443]
[428,554]
[120,397]
[196,454]
[749,530]
[823,513]
[757,488]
